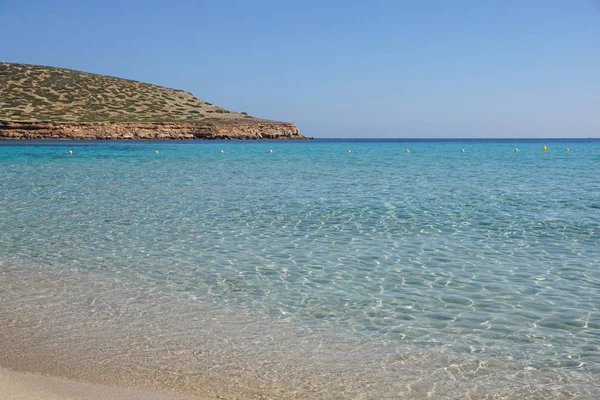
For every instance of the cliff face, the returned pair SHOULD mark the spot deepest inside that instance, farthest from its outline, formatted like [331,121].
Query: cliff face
[241,130]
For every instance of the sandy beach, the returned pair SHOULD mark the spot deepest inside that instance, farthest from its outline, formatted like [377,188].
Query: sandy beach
[26,386]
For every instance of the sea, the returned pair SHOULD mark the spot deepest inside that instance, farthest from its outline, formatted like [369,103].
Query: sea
[323,269]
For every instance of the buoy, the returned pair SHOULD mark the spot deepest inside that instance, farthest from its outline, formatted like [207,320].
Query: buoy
[407,150]
[462,150]
[544,148]
[70,151]
[516,150]
[156,151]
[270,151]
[222,151]
[349,151]
[567,149]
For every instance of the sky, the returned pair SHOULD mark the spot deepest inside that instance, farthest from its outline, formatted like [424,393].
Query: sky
[369,69]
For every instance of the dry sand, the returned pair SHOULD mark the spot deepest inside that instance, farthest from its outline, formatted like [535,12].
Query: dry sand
[25,386]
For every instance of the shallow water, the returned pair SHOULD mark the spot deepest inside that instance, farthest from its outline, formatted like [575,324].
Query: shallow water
[309,271]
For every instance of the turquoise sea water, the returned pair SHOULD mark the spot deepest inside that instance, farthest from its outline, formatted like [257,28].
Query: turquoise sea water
[321,273]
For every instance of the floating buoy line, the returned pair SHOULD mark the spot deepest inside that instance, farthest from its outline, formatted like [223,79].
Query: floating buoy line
[515,150]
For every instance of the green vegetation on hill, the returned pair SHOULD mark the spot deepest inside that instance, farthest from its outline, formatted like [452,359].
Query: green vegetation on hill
[37,93]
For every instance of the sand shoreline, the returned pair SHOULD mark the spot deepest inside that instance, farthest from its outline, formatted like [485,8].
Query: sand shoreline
[29,386]
[131,343]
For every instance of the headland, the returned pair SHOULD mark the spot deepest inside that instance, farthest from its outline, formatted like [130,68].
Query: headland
[40,102]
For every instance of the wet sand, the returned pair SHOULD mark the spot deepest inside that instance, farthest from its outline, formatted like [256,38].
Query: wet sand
[27,386]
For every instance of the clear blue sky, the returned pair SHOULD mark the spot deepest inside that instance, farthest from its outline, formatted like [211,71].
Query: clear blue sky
[419,68]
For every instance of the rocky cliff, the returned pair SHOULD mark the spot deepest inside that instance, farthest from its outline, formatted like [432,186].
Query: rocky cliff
[241,130]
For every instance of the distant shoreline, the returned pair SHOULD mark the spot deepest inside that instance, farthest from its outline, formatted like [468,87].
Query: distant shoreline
[240,130]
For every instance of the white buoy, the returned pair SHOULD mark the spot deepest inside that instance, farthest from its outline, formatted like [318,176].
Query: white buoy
[567,149]
[516,150]
[462,150]
[407,150]
[270,151]
[156,151]
[222,151]
[70,151]
[349,151]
